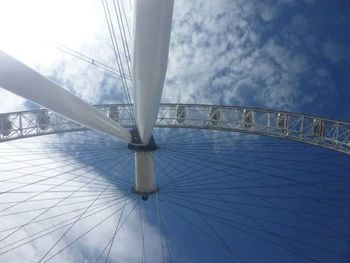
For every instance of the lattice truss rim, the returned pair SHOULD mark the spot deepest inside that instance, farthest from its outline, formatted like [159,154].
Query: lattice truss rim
[304,128]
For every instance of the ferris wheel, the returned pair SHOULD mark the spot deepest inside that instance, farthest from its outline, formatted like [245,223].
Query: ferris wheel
[182,178]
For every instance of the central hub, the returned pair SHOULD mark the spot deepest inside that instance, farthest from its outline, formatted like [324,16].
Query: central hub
[137,145]
[144,168]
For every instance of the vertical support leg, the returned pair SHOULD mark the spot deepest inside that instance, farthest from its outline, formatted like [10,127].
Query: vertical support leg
[144,173]
[150,47]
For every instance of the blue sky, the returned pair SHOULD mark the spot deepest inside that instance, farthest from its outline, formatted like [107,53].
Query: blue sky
[282,54]
[262,200]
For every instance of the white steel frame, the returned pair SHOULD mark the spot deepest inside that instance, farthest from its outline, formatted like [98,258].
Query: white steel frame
[304,128]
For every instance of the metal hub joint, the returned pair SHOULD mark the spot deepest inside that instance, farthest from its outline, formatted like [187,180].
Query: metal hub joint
[137,145]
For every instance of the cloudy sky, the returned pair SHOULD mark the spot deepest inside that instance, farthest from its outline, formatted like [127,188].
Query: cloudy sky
[288,55]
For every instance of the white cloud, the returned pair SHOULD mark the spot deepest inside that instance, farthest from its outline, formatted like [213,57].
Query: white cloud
[10,102]
[219,54]
[28,33]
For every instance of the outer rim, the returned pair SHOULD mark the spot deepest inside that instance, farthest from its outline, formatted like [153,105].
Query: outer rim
[299,127]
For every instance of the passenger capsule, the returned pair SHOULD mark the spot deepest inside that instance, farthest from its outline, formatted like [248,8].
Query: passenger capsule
[43,120]
[180,114]
[214,115]
[282,121]
[114,113]
[5,125]
[248,118]
[318,128]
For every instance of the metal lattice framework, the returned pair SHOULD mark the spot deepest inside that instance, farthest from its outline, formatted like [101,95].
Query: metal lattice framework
[314,130]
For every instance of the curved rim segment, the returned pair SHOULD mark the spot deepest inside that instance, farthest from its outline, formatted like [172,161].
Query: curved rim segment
[303,128]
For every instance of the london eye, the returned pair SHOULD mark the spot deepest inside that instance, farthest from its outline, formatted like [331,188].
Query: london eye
[150,181]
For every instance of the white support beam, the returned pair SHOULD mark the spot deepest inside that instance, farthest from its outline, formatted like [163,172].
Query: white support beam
[25,82]
[144,173]
[150,47]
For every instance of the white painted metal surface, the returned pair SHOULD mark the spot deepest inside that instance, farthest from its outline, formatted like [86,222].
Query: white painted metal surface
[150,47]
[144,177]
[25,82]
